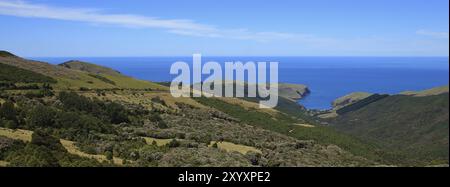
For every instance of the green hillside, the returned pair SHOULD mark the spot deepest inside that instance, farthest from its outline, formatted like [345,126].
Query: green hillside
[104,118]
[414,128]
[17,75]
[110,76]
[287,125]
[76,75]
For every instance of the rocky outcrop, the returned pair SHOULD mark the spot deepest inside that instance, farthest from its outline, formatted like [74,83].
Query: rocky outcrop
[293,91]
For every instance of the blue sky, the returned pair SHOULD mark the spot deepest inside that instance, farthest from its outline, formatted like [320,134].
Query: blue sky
[53,28]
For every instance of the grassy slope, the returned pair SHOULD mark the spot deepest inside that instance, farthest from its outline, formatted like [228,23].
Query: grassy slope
[349,99]
[415,126]
[429,92]
[14,74]
[66,78]
[119,80]
[75,79]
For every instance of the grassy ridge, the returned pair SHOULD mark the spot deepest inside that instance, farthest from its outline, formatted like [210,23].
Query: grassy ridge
[13,74]
[68,77]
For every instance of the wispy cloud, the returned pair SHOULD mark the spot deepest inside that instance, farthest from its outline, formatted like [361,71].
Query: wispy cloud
[175,26]
[440,35]
[282,41]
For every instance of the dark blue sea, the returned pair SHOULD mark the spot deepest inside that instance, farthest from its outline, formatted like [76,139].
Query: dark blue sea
[327,77]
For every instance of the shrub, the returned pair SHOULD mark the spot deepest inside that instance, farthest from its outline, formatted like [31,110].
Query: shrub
[11,124]
[71,100]
[32,156]
[8,111]
[84,89]
[111,112]
[42,116]
[174,143]
[34,94]
[253,157]
[116,113]
[162,125]
[155,117]
[42,138]
[159,100]
[109,155]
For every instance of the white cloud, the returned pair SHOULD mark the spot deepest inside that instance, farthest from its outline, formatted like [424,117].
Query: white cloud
[176,26]
[440,35]
[294,42]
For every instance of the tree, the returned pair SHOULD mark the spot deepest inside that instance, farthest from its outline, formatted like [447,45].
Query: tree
[155,117]
[43,138]
[8,111]
[174,143]
[109,155]
[47,86]
[73,101]
[42,116]
[116,113]
[10,124]
[253,157]
[32,156]
[162,125]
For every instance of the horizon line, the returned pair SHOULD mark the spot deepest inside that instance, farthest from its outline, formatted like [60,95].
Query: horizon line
[269,56]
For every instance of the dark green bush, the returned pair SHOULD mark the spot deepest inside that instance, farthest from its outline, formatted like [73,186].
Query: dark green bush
[42,116]
[8,111]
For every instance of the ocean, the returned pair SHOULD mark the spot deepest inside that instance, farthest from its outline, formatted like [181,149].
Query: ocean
[328,78]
